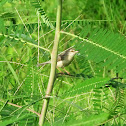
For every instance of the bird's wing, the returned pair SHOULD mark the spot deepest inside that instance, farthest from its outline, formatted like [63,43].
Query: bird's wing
[62,54]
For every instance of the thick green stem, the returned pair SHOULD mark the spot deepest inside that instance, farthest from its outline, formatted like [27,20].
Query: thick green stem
[53,63]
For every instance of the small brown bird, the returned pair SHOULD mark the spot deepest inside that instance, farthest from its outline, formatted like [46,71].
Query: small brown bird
[64,58]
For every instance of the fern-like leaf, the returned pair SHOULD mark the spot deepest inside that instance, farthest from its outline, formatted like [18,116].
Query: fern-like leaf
[41,11]
[84,86]
[102,45]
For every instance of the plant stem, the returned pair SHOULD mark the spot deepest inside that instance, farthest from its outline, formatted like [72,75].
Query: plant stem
[53,63]
[15,105]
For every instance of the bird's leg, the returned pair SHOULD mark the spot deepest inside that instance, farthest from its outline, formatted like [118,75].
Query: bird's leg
[66,71]
[59,70]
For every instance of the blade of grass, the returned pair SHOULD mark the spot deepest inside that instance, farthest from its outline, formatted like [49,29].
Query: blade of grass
[12,70]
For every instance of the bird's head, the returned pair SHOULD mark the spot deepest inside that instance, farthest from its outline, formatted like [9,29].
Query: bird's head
[72,52]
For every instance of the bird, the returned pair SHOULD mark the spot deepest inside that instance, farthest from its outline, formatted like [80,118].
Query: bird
[63,59]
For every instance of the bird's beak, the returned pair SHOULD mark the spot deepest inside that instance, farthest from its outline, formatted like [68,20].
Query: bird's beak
[76,51]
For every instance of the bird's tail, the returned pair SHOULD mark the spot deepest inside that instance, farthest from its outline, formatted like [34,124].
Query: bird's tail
[41,64]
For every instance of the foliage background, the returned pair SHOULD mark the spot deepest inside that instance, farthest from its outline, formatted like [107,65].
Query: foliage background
[89,96]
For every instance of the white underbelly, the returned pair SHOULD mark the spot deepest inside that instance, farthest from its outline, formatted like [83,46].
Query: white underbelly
[63,63]
[60,64]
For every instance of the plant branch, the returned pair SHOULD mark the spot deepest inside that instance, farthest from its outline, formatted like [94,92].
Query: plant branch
[24,41]
[53,63]
[18,106]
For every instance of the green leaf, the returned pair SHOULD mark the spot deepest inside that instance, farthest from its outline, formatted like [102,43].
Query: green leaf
[12,70]
[83,86]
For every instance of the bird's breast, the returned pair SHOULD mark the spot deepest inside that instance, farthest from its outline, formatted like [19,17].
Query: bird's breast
[63,63]
[60,63]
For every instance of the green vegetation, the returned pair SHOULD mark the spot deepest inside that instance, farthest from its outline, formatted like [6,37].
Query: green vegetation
[95,91]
